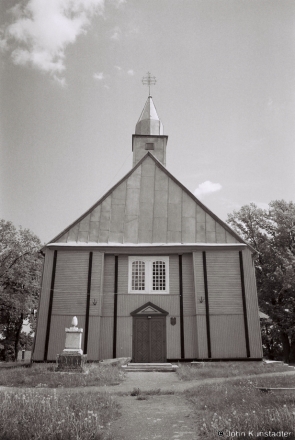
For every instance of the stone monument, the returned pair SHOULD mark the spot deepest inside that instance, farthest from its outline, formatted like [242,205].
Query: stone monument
[72,358]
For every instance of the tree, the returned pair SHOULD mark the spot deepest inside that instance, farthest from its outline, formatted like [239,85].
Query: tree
[20,275]
[272,233]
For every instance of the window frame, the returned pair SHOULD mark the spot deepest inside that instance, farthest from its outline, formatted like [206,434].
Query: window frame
[148,260]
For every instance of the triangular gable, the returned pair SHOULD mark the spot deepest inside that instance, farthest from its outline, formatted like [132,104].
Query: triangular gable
[148,205]
[149,309]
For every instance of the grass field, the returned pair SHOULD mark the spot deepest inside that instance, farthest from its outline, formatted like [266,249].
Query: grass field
[43,375]
[227,369]
[32,415]
[238,409]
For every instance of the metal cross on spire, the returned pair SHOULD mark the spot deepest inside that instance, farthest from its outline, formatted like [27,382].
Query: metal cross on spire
[149,81]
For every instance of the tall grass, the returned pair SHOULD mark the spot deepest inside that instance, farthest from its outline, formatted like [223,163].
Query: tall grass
[238,407]
[30,415]
[43,375]
[226,369]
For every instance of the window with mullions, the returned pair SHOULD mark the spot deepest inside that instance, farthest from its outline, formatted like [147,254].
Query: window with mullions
[148,275]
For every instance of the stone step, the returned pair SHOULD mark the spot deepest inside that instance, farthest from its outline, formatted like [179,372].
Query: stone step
[160,367]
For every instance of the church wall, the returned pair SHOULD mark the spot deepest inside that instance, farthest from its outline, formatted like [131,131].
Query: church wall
[226,314]
[252,305]
[42,314]
[189,308]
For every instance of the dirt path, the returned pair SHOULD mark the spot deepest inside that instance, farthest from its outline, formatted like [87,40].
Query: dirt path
[163,417]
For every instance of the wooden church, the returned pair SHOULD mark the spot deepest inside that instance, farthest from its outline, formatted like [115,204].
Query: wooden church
[150,272]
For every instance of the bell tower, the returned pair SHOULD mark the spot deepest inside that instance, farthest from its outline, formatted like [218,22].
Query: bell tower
[149,133]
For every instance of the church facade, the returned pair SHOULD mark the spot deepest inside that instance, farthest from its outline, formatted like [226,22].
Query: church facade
[150,272]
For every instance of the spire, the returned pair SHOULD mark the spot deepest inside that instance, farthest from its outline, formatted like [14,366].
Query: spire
[149,122]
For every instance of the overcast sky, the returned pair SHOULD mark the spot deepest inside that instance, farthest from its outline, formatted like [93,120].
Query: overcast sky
[71,94]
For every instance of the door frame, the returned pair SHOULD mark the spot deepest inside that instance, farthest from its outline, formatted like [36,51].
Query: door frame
[152,311]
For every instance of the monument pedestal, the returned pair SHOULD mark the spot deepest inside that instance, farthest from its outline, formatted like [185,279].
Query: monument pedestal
[72,358]
[71,362]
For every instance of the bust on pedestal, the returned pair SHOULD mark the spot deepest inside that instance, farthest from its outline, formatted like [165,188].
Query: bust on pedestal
[72,358]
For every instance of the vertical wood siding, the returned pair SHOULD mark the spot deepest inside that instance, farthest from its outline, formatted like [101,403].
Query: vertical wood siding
[58,336]
[252,306]
[227,336]
[70,290]
[43,307]
[106,338]
[148,207]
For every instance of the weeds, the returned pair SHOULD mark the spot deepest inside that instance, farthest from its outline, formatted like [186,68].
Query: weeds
[240,407]
[44,375]
[30,415]
[206,370]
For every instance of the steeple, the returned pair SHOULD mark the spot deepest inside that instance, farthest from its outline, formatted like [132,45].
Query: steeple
[149,135]
[149,122]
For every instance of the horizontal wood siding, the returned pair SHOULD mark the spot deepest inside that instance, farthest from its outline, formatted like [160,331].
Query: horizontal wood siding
[189,304]
[224,282]
[96,292]
[93,338]
[252,306]
[190,337]
[124,336]
[173,275]
[227,336]
[173,338]
[70,289]
[202,347]
[58,335]
[108,286]
[199,283]
[106,338]
[43,307]
[123,274]
[130,302]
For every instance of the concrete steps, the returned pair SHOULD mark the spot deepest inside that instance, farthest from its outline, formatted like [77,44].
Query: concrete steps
[164,367]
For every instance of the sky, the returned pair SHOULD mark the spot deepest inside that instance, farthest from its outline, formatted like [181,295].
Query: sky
[71,93]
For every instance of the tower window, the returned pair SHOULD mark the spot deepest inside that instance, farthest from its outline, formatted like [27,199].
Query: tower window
[149,146]
[148,275]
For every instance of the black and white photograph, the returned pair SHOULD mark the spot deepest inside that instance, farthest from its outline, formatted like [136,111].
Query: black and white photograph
[147,219]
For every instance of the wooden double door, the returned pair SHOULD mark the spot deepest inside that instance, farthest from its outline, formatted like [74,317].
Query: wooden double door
[149,339]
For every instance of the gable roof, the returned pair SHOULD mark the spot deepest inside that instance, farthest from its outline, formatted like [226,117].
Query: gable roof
[148,205]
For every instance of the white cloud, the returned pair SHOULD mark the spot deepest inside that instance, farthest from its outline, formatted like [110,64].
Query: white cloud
[106,86]
[42,29]
[99,76]
[130,72]
[116,35]
[206,188]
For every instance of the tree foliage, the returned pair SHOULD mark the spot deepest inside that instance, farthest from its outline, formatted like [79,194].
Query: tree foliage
[272,233]
[20,275]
